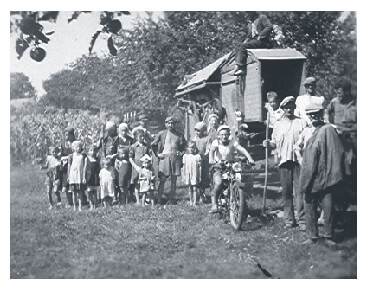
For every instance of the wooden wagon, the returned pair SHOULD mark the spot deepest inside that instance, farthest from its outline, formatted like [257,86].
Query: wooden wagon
[279,70]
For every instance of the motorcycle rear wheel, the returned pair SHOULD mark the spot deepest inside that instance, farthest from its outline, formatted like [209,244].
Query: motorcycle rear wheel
[238,210]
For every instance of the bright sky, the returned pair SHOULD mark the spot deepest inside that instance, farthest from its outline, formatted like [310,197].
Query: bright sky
[70,41]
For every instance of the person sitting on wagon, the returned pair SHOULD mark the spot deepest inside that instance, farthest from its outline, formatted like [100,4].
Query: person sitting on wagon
[223,149]
[259,36]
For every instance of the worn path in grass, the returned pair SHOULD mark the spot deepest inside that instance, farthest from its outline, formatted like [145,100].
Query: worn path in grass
[177,241]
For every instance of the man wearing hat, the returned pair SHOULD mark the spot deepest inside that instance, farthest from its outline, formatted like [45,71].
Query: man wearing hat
[142,125]
[169,146]
[309,97]
[66,150]
[284,138]
[321,173]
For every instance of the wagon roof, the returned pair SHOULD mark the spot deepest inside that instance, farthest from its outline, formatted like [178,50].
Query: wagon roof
[276,54]
[198,79]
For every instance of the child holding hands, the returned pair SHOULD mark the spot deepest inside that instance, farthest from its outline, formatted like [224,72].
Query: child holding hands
[146,179]
[136,152]
[52,181]
[192,171]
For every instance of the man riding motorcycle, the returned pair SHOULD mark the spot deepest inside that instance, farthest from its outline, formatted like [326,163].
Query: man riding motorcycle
[223,149]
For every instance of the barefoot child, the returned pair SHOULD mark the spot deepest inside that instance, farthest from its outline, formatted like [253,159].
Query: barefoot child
[146,179]
[136,152]
[107,181]
[192,171]
[77,172]
[93,169]
[52,181]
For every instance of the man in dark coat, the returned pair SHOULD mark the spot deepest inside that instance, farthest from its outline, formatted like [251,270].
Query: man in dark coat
[321,173]
[168,145]
[259,36]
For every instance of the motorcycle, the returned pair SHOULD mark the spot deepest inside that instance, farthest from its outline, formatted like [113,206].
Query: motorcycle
[232,199]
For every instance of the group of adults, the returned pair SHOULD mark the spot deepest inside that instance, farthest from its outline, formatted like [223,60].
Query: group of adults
[316,150]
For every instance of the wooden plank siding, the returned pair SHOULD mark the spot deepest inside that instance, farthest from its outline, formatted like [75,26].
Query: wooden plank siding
[252,92]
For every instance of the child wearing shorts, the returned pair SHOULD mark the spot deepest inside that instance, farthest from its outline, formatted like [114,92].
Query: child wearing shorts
[93,169]
[107,181]
[146,179]
[52,181]
[77,173]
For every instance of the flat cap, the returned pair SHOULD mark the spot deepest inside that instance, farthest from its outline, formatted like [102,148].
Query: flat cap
[123,126]
[69,130]
[309,80]
[143,117]
[288,100]
[223,127]
[200,126]
[110,125]
[170,119]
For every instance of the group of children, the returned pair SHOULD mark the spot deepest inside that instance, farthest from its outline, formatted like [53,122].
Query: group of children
[107,180]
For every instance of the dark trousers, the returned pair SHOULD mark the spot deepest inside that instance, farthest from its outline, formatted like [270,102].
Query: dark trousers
[312,200]
[289,180]
[241,50]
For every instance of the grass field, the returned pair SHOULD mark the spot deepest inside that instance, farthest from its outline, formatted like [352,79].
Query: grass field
[177,241]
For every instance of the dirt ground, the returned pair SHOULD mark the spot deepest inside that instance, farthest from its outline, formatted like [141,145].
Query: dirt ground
[176,241]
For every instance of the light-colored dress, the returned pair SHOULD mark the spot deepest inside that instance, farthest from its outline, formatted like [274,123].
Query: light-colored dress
[145,180]
[107,177]
[191,169]
[76,169]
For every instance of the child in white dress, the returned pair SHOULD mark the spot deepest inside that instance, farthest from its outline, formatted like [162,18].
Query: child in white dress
[77,172]
[146,179]
[107,181]
[192,171]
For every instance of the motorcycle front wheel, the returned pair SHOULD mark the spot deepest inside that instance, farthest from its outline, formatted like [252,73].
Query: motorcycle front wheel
[238,210]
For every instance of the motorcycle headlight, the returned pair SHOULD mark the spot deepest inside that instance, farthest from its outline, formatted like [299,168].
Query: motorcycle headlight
[237,167]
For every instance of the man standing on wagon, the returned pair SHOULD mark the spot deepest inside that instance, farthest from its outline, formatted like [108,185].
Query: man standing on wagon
[169,147]
[284,139]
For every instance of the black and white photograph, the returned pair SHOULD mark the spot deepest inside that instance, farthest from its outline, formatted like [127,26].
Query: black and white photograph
[183,144]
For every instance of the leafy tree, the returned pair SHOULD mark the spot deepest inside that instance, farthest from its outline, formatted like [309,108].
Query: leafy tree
[20,87]
[154,57]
